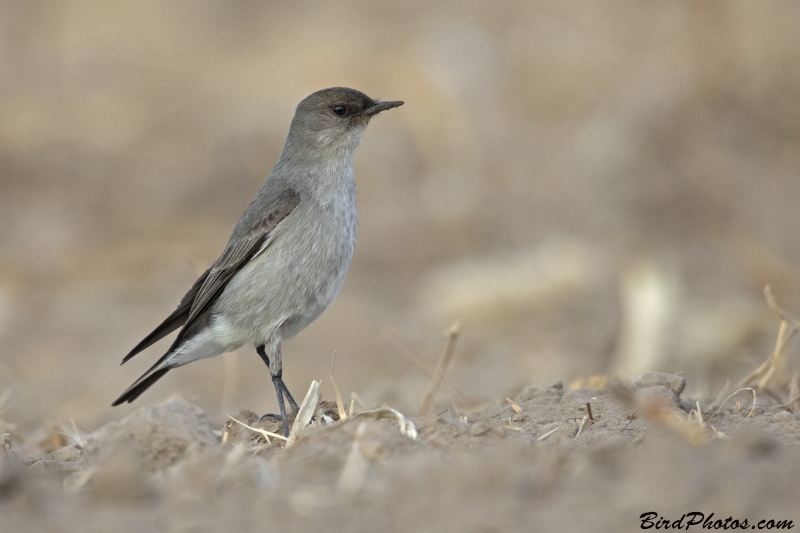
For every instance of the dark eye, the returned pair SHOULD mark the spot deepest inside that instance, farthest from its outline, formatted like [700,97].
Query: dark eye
[339,110]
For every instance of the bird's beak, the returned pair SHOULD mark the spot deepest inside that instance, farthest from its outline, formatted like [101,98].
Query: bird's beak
[378,106]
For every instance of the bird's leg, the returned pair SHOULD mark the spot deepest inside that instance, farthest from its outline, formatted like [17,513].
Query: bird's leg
[276,370]
[288,394]
[278,359]
[263,353]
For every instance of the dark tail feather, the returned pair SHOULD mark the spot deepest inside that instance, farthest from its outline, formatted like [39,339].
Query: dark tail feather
[177,319]
[173,322]
[142,384]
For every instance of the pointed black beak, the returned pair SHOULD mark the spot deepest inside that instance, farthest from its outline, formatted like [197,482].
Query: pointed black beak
[378,106]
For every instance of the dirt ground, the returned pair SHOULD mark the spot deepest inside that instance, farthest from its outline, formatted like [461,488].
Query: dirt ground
[550,459]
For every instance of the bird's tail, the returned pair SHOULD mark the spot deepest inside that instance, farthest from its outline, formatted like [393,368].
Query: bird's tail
[155,373]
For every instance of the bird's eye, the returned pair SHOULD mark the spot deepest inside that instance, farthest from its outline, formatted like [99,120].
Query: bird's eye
[339,110]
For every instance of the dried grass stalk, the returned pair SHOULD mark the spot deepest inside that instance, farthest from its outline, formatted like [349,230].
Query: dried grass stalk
[441,368]
[412,354]
[407,427]
[794,393]
[774,363]
[263,432]
[305,413]
[339,401]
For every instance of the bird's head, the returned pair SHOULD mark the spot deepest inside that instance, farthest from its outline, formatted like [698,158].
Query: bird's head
[335,118]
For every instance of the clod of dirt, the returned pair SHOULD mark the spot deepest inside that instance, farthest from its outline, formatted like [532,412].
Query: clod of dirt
[673,382]
[656,395]
[159,435]
[782,417]
[66,459]
[237,433]
[657,388]
[68,454]
[553,392]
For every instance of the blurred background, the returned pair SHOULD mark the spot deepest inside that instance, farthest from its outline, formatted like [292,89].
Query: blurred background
[589,187]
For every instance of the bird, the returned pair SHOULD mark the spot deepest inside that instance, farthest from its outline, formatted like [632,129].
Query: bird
[288,255]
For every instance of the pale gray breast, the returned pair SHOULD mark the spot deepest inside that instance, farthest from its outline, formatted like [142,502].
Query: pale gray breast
[336,240]
[299,273]
[325,243]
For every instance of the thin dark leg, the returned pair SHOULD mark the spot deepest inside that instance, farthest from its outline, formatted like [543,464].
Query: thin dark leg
[288,394]
[280,390]
[263,353]
[279,386]
[264,357]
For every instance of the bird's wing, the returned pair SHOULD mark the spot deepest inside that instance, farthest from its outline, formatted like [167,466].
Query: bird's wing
[210,285]
[240,250]
[177,319]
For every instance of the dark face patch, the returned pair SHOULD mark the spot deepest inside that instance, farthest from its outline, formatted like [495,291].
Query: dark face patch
[337,102]
[332,114]
[350,108]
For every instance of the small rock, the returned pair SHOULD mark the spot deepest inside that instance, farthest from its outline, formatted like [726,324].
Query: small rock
[67,454]
[236,433]
[65,459]
[673,382]
[526,394]
[498,431]
[479,428]
[459,427]
[656,395]
[782,417]
[556,390]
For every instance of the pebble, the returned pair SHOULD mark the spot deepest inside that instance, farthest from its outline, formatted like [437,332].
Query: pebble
[783,417]
[67,454]
[656,395]
[673,382]
[478,428]
[498,431]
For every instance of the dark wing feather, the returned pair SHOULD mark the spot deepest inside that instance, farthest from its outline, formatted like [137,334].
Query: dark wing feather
[239,251]
[210,285]
[194,311]
[177,319]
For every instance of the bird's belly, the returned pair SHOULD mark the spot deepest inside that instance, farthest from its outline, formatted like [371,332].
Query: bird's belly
[291,283]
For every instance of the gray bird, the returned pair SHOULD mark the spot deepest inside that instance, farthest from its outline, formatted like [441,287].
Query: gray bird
[289,253]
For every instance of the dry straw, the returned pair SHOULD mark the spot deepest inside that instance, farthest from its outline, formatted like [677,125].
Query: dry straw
[441,368]
[775,362]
